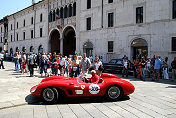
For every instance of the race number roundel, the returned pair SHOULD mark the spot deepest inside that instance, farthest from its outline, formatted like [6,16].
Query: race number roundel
[94,89]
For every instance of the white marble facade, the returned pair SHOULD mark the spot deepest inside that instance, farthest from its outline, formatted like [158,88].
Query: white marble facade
[157,28]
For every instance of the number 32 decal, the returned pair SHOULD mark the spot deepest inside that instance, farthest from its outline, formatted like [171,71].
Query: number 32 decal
[94,89]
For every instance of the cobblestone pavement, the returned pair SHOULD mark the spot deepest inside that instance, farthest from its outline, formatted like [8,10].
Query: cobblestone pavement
[150,99]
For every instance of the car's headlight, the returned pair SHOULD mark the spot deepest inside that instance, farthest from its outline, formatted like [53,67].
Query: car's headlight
[34,89]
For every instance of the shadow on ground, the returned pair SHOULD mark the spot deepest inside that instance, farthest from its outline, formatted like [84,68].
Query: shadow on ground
[37,101]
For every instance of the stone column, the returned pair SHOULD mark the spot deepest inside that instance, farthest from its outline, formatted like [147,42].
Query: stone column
[61,45]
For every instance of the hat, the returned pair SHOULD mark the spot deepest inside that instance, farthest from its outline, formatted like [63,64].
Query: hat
[93,71]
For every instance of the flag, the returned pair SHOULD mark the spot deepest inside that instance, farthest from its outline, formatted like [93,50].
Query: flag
[57,17]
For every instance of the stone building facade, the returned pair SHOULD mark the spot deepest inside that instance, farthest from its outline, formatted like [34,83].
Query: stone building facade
[107,28]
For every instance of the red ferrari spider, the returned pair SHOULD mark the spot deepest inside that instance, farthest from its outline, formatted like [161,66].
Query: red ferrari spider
[53,88]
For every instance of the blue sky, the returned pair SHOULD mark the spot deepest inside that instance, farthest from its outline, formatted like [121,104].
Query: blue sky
[8,7]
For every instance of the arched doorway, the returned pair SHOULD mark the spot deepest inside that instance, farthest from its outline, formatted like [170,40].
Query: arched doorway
[40,49]
[31,49]
[139,48]
[69,41]
[11,52]
[55,41]
[88,49]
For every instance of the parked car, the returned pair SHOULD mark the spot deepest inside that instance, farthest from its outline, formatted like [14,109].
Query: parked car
[116,66]
[52,89]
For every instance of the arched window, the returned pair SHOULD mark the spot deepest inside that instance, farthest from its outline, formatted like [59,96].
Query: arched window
[54,15]
[23,49]
[40,49]
[70,10]
[17,50]
[61,12]
[57,12]
[31,49]
[65,12]
[74,9]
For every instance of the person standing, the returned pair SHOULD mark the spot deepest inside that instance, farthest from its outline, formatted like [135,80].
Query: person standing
[97,65]
[62,65]
[75,64]
[55,64]
[157,67]
[43,66]
[16,59]
[135,66]
[165,68]
[2,60]
[24,63]
[31,64]
[85,64]
[143,63]
[148,67]
[125,66]
[173,64]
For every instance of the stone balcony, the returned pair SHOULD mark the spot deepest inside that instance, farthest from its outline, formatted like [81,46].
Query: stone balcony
[60,23]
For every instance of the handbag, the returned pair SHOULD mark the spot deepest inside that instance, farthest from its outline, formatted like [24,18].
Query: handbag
[101,68]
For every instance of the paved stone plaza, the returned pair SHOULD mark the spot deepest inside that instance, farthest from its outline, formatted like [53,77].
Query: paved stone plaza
[150,99]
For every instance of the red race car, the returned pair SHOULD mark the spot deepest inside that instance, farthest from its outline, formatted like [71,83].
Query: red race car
[53,88]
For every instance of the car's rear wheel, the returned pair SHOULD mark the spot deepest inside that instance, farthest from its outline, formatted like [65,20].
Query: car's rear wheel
[114,93]
[50,95]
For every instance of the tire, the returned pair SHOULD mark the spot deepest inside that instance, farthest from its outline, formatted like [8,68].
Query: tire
[50,95]
[114,93]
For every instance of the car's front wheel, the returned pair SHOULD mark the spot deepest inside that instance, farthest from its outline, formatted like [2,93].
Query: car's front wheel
[114,93]
[50,95]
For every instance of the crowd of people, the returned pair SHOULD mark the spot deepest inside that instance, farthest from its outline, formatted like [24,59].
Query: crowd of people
[74,65]
[57,65]
[143,68]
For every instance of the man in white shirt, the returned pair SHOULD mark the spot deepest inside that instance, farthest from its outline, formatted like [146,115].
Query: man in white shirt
[2,59]
[62,65]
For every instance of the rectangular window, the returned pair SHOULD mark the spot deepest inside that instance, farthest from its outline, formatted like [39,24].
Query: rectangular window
[17,25]
[31,20]
[32,34]
[173,43]
[1,39]
[174,9]
[17,36]
[110,19]
[24,36]
[110,1]
[139,15]
[89,23]
[110,46]
[41,17]
[11,38]
[88,4]
[24,23]
[1,29]
[41,31]
[11,26]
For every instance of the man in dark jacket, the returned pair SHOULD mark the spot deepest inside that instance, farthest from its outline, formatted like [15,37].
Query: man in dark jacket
[173,64]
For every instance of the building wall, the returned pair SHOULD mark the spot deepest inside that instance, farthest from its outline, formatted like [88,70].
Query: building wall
[36,41]
[2,36]
[157,29]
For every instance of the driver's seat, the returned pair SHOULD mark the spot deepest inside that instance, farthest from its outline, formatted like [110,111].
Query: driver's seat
[101,80]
